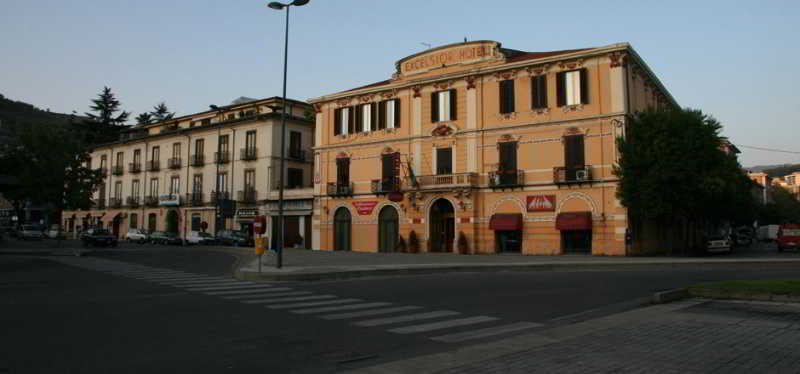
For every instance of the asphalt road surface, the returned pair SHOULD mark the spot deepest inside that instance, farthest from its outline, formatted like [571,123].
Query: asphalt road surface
[162,309]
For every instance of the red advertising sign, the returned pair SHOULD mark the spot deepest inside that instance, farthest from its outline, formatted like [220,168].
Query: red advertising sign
[541,203]
[364,207]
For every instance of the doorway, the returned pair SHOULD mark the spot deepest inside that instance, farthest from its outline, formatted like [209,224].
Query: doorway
[341,230]
[442,226]
[151,222]
[388,229]
[577,241]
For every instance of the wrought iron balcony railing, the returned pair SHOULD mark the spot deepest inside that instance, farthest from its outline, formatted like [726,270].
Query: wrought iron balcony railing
[174,163]
[132,201]
[506,178]
[100,203]
[117,170]
[222,157]
[151,201]
[114,202]
[222,195]
[384,186]
[297,154]
[564,175]
[336,189]
[194,199]
[247,196]
[153,165]
[134,168]
[197,160]
[248,154]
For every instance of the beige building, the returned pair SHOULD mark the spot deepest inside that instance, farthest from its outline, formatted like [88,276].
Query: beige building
[215,169]
[511,150]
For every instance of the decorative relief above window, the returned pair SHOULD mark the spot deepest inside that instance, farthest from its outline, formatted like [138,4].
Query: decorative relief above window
[443,85]
[343,102]
[538,70]
[570,65]
[572,108]
[507,116]
[618,59]
[539,111]
[417,91]
[471,81]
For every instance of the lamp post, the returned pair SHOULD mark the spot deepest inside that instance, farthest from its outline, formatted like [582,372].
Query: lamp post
[279,6]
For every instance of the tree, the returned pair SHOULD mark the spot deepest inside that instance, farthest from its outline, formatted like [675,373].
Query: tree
[161,113]
[144,119]
[675,177]
[104,124]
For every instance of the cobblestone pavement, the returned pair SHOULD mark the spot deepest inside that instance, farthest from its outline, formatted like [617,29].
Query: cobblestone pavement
[703,337]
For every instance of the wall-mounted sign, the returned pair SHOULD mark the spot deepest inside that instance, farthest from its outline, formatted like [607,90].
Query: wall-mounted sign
[365,207]
[461,53]
[541,203]
[246,212]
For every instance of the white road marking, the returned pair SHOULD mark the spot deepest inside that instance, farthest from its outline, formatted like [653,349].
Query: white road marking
[374,312]
[287,299]
[482,333]
[406,318]
[256,290]
[315,303]
[342,307]
[442,325]
[220,288]
[265,297]
[206,282]
[187,278]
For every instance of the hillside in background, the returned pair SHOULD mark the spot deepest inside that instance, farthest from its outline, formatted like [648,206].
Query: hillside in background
[781,170]
[17,113]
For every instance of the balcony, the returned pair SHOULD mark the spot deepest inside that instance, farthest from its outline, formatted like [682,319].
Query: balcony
[248,154]
[216,196]
[506,178]
[174,163]
[153,165]
[194,199]
[103,171]
[99,203]
[197,160]
[222,157]
[115,203]
[117,170]
[248,196]
[564,175]
[132,201]
[134,168]
[335,189]
[297,154]
[384,186]
[445,181]
[151,201]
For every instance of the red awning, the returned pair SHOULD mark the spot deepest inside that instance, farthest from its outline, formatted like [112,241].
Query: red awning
[506,221]
[574,221]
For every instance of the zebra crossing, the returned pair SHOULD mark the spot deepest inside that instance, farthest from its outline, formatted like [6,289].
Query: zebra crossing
[391,317]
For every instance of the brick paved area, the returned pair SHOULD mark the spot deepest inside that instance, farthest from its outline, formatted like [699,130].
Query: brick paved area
[707,337]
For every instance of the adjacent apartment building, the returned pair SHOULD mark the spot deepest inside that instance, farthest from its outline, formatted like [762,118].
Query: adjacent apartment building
[511,150]
[206,171]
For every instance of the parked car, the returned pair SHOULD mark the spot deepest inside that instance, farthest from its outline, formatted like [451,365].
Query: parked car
[56,232]
[98,237]
[199,237]
[718,243]
[137,235]
[162,237]
[768,233]
[743,236]
[234,238]
[788,237]
[29,232]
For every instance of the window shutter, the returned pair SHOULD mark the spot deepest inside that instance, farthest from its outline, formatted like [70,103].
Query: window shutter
[396,113]
[509,88]
[543,91]
[579,161]
[337,122]
[584,86]
[561,89]
[351,119]
[539,92]
[382,115]
[373,113]
[453,109]
[502,87]
[434,107]
[359,117]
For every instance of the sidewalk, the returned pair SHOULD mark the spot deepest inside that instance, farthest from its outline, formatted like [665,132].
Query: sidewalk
[318,265]
[690,336]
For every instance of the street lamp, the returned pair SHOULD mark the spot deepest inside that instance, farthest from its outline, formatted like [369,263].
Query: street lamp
[279,6]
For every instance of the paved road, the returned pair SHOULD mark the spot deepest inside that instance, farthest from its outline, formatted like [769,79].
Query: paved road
[166,309]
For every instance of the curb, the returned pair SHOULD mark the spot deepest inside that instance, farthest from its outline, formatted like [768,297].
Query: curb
[332,273]
[669,296]
[753,296]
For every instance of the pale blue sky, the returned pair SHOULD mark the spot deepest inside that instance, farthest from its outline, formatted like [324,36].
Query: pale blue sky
[736,60]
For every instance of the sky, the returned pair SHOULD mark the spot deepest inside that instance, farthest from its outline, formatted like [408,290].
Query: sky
[735,60]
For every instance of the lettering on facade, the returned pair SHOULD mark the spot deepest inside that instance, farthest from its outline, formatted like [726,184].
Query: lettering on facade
[541,203]
[365,207]
[448,56]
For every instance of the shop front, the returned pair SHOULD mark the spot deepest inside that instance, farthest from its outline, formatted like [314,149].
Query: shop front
[576,232]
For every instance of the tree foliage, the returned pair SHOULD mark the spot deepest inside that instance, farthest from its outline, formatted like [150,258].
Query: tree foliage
[784,208]
[105,120]
[144,119]
[161,113]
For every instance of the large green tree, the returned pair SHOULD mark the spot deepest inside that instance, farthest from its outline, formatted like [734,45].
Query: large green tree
[161,113]
[675,175]
[105,120]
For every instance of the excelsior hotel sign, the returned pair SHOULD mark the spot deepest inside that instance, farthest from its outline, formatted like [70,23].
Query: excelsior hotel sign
[448,55]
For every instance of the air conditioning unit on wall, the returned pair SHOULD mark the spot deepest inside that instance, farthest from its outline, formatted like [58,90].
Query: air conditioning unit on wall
[581,175]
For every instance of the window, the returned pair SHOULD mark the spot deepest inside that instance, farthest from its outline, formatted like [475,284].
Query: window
[222,182]
[573,88]
[206,122]
[389,114]
[154,187]
[137,156]
[196,222]
[135,188]
[250,139]
[295,179]
[223,143]
[118,190]
[444,161]
[507,96]
[342,119]
[120,159]
[573,154]
[154,156]
[197,184]
[507,168]
[443,106]
[134,222]
[343,171]
[539,92]
[295,138]
[365,117]
[391,171]
[176,150]
[103,162]
[199,146]
[249,179]
[174,185]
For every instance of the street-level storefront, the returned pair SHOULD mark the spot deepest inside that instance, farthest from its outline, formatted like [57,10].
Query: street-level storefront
[296,222]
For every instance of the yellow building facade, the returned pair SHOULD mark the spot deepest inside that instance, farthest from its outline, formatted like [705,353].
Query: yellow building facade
[476,148]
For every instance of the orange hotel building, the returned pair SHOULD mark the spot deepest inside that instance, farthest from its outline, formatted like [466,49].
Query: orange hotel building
[513,149]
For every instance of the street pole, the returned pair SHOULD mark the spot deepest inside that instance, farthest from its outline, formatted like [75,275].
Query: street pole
[279,262]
